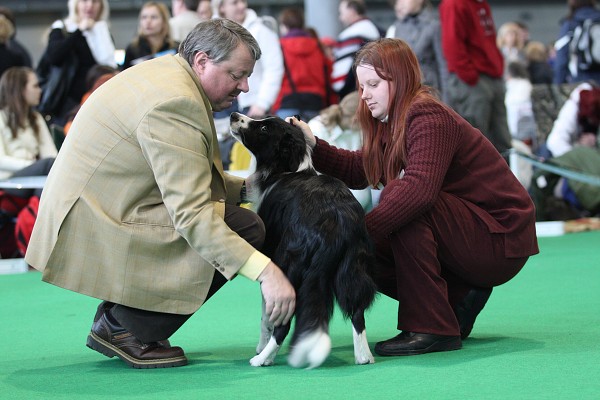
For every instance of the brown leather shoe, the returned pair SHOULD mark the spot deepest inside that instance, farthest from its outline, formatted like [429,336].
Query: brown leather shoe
[109,338]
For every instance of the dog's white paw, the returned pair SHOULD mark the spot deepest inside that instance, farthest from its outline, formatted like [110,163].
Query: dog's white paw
[267,356]
[362,353]
[310,350]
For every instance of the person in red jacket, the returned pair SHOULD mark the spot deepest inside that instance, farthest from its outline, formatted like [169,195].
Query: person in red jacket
[452,220]
[475,86]
[305,87]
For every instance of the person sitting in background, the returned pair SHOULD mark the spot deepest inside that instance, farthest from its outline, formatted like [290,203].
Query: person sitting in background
[567,131]
[95,78]
[204,10]
[26,147]
[184,19]
[337,124]
[307,70]
[538,65]
[153,37]
[509,40]
[8,57]
[13,43]
[25,138]
[84,34]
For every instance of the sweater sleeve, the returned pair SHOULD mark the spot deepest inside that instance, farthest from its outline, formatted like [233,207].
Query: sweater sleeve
[343,164]
[432,137]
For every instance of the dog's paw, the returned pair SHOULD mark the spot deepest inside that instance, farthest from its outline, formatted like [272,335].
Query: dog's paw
[258,361]
[267,356]
[311,350]
[364,358]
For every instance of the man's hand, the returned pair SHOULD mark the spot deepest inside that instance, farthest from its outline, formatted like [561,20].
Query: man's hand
[278,293]
[256,112]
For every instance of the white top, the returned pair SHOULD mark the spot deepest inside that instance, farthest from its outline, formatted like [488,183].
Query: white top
[565,130]
[20,152]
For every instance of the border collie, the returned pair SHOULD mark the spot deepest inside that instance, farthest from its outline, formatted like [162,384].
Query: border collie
[315,232]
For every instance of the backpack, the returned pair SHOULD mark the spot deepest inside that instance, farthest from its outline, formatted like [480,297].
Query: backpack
[585,45]
[24,224]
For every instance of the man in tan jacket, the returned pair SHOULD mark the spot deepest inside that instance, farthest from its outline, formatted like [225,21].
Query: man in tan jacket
[137,210]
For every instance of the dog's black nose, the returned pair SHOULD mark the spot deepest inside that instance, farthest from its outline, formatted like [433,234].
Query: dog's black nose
[234,117]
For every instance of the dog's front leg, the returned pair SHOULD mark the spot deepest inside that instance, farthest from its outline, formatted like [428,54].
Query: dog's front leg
[266,330]
[267,356]
[267,347]
[362,353]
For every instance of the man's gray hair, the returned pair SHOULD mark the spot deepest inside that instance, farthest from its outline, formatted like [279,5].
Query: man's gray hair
[218,38]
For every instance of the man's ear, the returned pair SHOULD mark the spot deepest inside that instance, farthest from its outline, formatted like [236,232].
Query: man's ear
[200,60]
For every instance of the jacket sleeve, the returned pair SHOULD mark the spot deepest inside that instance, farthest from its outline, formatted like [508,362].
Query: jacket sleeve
[272,68]
[455,23]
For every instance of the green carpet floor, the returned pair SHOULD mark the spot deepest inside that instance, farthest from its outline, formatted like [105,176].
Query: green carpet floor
[538,338]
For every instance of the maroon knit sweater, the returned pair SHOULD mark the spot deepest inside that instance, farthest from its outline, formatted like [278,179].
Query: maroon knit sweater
[444,154]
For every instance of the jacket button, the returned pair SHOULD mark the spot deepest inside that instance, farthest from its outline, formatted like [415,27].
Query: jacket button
[221,200]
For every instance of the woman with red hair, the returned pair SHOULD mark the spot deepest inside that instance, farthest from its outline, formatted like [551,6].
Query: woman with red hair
[452,220]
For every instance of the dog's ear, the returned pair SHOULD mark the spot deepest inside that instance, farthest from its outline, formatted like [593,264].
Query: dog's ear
[292,148]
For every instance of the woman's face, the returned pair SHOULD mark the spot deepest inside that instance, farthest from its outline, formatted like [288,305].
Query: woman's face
[89,9]
[407,7]
[32,90]
[234,10]
[375,91]
[151,22]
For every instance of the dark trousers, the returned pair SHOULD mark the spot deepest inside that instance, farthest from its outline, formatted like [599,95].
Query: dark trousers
[150,326]
[432,262]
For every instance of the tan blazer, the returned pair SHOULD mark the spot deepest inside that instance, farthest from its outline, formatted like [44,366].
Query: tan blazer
[133,208]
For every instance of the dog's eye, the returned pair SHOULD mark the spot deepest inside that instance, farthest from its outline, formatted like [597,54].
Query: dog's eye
[263,129]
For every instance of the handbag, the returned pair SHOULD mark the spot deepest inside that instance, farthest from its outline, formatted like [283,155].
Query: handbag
[55,81]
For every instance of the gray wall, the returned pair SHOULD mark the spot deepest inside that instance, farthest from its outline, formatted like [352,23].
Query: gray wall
[35,17]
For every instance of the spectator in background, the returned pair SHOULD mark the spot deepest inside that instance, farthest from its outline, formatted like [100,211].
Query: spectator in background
[265,81]
[95,78]
[307,69]
[566,70]
[358,30]
[204,10]
[511,43]
[153,35]
[476,85]
[13,43]
[418,25]
[538,65]
[84,34]
[184,19]
[8,57]
[26,147]
[567,130]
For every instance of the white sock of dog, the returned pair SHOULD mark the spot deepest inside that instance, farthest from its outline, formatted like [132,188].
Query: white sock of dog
[362,353]
[312,349]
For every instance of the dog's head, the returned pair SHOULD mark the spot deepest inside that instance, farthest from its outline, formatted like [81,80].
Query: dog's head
[276,144]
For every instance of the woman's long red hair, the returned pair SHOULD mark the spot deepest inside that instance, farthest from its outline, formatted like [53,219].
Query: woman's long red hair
[384,143]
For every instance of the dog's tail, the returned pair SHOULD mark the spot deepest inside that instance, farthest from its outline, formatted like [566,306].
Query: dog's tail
[354,287]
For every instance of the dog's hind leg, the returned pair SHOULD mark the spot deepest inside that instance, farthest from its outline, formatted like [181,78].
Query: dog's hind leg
[362,353]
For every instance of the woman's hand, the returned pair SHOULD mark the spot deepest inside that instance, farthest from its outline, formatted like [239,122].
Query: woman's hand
[308,135]
[86,24]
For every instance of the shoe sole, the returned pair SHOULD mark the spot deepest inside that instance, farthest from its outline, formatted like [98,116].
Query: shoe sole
[448,345]
[95,342]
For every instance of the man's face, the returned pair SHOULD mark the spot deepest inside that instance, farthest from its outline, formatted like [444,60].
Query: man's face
[223,82]
[346,14]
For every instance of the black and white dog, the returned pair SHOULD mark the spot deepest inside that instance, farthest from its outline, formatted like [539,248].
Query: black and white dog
[315,232]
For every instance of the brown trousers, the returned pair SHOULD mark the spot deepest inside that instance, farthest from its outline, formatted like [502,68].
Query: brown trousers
[150,326]
[433,261]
